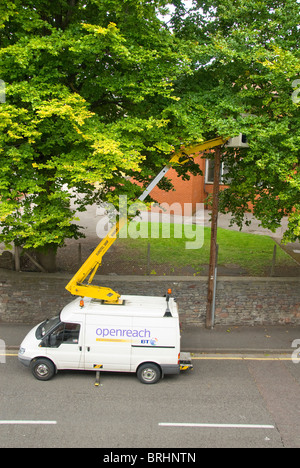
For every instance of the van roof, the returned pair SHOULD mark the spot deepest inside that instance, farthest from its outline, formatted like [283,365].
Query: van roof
[139,306]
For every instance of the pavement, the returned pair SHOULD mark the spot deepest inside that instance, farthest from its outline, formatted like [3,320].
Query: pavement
[221,340]
[241,339]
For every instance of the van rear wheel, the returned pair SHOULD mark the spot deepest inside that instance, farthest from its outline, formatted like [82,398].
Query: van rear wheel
[43,369]
[149,373]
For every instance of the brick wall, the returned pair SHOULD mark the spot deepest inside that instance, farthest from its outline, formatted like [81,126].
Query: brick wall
[187,193]
[31,297]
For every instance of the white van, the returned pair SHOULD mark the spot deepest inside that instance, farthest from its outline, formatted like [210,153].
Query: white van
[142,335]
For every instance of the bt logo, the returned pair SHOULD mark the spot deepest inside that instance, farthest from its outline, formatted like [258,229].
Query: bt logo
[152,342]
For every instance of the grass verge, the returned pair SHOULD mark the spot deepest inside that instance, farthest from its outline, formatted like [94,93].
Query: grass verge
[250,253]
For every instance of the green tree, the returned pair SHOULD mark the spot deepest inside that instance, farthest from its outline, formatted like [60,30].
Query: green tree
[87,86]
[247,61]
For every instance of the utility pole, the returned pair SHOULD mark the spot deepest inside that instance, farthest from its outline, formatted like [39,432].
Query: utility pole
[213,241]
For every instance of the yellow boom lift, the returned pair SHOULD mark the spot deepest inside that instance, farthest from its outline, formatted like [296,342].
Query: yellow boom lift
[80,284]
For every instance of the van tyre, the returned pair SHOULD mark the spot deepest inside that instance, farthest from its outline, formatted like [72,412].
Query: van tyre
[43,369]
[149,373]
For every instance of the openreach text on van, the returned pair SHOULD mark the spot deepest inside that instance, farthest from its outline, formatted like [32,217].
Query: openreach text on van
[118,332]
[163,457]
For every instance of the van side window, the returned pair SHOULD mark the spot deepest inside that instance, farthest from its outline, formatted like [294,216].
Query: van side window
[67,333]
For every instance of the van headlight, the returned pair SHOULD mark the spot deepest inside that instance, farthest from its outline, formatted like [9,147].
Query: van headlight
[21,350]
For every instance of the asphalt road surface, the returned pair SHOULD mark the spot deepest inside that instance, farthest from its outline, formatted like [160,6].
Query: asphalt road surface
[221,403]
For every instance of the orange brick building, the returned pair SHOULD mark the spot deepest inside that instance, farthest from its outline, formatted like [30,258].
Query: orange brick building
[189,192]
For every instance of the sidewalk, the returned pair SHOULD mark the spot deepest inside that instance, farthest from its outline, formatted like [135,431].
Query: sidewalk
[239,340]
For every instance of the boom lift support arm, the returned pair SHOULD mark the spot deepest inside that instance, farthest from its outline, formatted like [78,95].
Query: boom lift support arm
[88,270]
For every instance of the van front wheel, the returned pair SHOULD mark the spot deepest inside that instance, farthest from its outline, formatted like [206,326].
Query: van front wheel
[43,369]
[149,373]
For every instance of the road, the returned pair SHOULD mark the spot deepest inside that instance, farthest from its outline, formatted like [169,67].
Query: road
[221,403]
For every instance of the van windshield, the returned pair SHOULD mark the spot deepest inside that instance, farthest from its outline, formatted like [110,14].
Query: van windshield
[45,327]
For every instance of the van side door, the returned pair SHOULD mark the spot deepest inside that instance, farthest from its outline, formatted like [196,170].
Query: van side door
[108,343]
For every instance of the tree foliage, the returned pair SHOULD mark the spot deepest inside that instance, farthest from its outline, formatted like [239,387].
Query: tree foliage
[87,86]
[100,91]
[247,61]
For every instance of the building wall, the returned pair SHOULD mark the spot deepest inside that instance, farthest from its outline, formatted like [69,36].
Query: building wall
[187,193]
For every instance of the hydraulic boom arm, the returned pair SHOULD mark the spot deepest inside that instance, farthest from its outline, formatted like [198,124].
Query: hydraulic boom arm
[91,265]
